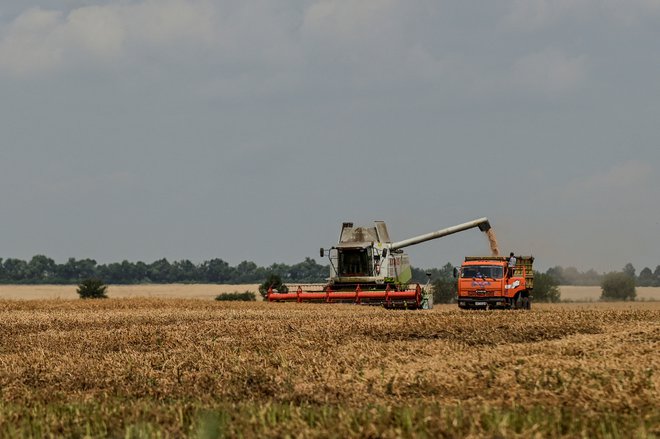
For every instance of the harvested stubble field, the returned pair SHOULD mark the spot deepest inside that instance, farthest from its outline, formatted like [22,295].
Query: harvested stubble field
[172,368]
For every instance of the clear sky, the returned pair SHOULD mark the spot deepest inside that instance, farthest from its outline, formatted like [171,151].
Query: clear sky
[250,129]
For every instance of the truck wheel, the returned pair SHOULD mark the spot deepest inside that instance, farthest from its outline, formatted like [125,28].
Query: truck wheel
[524,303]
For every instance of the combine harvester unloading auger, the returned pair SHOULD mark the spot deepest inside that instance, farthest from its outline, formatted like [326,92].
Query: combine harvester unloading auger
[367,268]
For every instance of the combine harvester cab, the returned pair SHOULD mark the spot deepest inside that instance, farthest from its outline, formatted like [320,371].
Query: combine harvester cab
[484,282]
[367,268]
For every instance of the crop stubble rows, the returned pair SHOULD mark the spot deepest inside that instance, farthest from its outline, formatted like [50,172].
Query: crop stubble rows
[171,354]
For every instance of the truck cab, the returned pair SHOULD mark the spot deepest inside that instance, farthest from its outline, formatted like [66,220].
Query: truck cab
[485,282]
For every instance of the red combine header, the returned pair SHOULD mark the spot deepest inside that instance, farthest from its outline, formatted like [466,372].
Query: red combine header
[410,298]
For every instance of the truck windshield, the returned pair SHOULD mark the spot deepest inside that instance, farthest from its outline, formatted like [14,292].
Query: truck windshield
[491,271]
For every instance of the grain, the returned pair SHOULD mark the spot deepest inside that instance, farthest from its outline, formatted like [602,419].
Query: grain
[174,367]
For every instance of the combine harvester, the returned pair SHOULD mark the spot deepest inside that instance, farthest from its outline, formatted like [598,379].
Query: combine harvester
[367,268]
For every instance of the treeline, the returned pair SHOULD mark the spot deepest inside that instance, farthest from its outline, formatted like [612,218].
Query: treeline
[421,276]
[44,270]
[572,276]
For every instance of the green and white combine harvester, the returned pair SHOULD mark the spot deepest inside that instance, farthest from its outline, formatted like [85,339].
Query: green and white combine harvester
[367,268]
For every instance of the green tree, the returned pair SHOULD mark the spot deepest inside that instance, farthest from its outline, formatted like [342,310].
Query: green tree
[16,270]
[113,273]
[444,290]
[248,271]
[184,271]
[41,269]
[92,289]
[282,270]
[618,286]
[68,271]
[629,270]
[557,273]
[246,296]
[645,278]
[308,271]
[421,276]
[83,269]
[546,288]
[160,271]
[656,277]
[275,281]
[216,271]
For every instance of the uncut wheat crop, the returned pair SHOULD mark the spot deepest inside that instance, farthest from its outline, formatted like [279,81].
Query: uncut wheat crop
[194,368]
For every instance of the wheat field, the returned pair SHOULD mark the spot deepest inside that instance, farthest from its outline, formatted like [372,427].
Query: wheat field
[153,367]
[210,291]
[163,291]
[592,293]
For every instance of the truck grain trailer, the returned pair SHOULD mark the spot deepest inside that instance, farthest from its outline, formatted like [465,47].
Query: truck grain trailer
[366,267]
[485,282]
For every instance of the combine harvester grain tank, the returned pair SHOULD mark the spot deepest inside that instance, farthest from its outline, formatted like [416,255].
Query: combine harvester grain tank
[366,267]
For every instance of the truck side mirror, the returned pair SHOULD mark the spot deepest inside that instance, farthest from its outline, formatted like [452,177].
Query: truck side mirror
[384,252]
[322,253]
[455,272]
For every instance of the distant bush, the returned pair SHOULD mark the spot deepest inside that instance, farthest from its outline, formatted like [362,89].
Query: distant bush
[246,296]
[273,280]
[618,286]
[444,290]
[546,288]
[92,289]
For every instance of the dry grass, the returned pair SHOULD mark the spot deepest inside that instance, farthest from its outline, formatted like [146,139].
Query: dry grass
[146,367]
[592,293]
[165,291]
[209,291]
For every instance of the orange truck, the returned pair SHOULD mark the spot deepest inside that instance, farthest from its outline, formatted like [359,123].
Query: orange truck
[486,282]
